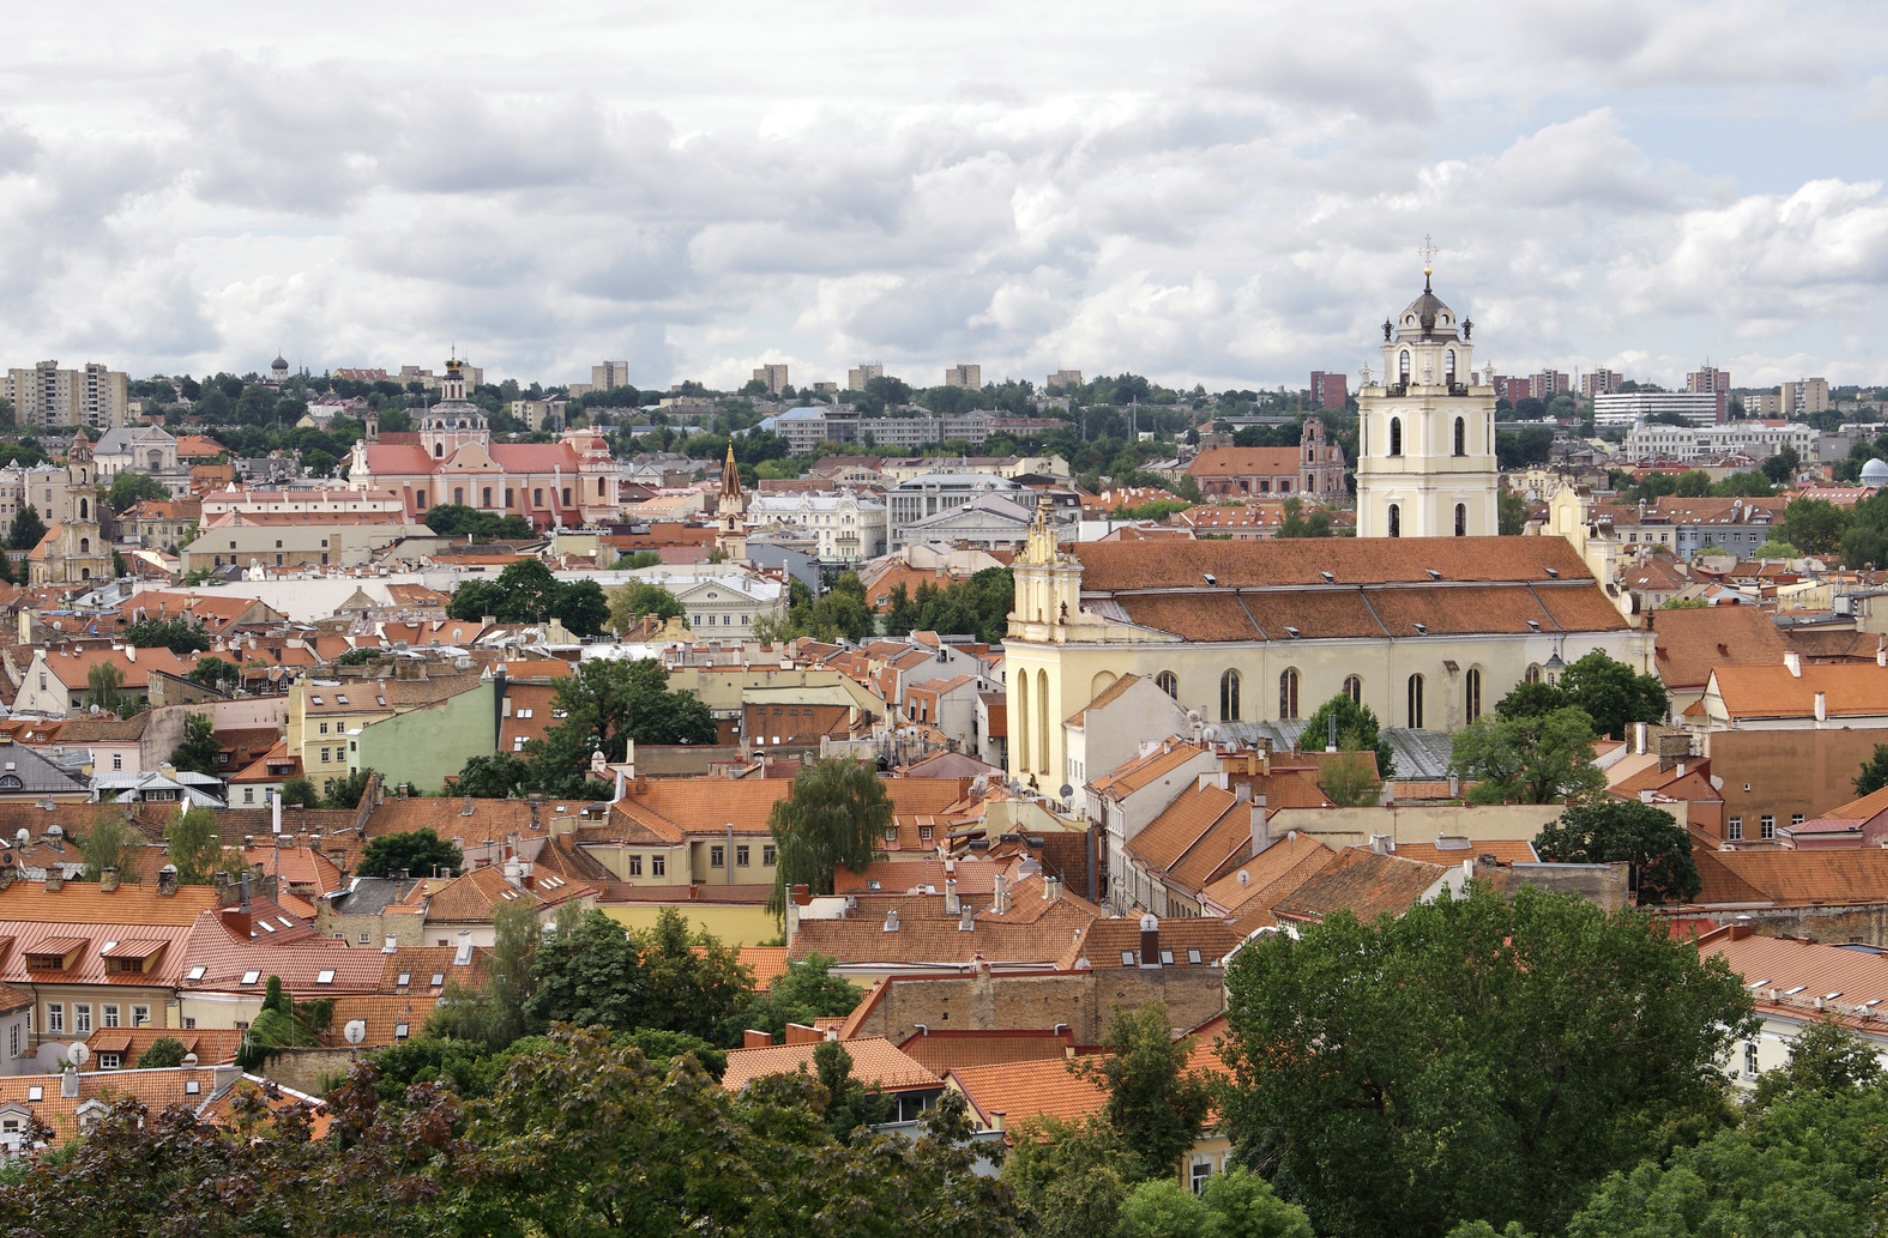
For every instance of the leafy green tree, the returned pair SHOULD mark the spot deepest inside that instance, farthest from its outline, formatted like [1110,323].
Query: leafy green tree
[634,562]
[1529,760]
[837,813]
[1072,1177]
[194,843]
[498,776]
[1825,1059]
[458,520]
[110,843]
[807,991]
[1874,774]
[1610,830]
[1611,694]
[1816,525]
[589,973]
[496,1016]
[850,1104]
[1774,549]
[130,489]
[104,685]
[1297,524]
[1511,514]
[420,852]
[633,601]
[1349,781]
[214,672]
[165,1051]
[299,792]
[607,703]
[691,982]
[28,530]
[1243,1205]
[582,608]
[1476,1058]
[180,636]
[198,752]
[346,792]
[1357,731]
[1162,1208]
[1153,1104]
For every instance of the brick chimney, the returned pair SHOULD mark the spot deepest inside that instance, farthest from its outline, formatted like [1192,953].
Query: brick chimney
[167,880]
[107,879]
[951,902]
[55,878]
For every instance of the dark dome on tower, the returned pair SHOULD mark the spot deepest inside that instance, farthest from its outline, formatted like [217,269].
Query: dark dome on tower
[1427,316]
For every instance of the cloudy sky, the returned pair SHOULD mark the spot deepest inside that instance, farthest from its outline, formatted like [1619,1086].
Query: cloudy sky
[1228,193]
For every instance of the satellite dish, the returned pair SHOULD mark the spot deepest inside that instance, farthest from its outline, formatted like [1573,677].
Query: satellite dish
[1194,715]
[1067,790]
[78,1054]
[190,1059]
[355,1031]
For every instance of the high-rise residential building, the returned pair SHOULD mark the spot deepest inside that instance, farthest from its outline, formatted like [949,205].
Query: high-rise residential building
[608,375]
[1547,384]
[1599,382]
[1713,380]
[1762,404]
[859,375]
[773,376]
[1627,408]
[1513,390]
[49,396]
[1064,379]
[970,376]
[1329,390]
[1804,396]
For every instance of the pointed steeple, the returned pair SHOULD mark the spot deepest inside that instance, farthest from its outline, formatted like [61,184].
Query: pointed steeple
[730,476]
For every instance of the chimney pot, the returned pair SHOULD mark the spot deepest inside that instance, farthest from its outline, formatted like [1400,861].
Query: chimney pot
[107,879]
[167,880]
[55,879]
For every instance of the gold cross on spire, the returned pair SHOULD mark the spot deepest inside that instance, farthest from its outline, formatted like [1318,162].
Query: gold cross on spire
[1428,251]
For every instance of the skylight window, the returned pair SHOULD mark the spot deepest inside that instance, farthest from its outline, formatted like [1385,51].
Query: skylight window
[317,700]
[1193,956]
[251,976]
[195,973]
[1127,958]
[439,979]
[325,976]
[35,1093]
[285,922]
[403,979]
[266,926]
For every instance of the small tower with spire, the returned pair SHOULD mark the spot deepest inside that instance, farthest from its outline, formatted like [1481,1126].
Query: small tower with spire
[731,511]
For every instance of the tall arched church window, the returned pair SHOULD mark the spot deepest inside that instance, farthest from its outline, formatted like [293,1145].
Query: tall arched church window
[1288,694]
[1022,721]
[1396,436]
[1532,674]
[1461,519]
[1229,697]
[1448,365]
[1461,436]
[1472,697]
[1416,702]
[1169,683]
[1396,520]
[1402,366]
[1042,720]
[1354,689]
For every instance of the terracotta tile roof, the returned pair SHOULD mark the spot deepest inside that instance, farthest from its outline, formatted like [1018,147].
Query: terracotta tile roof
[768,963]
[195,1088]
[973,876]
[1245,462]
[86,903]
[213,1046]
[1363,883]
[939,1051]
[384,1015]
[1107,696]
[1113,566]
[672,808]
[1689,643]
[1848,689]
[1270,875]
[1793,878]
[875,1060]
[1782,964]
[1107,940]
[1024,1091]
[72,666]
[1042,939]
[488,820]
[1142,771]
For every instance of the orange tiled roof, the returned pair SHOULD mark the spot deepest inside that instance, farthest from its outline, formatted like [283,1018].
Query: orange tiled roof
[1142,771]
[1792,878]
[1363,883]
[875,1060]
[1688,644]
[940,1051]
[1855,689]
[1024,1091]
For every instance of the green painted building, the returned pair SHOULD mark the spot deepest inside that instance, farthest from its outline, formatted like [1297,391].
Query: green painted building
[423,746]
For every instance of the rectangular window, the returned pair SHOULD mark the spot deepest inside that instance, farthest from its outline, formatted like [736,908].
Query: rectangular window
[1197,1174]
[324,728]
[1735,830]
[140,1016]
[82,1018]
[633,866]
[1796,818]
[117,760]
[110,1016]
[1767,826]
[658,866]
[743,856]
[324,756]
[717,857]
[109,1061]
[249,795]
[768,854]
[1750,1059]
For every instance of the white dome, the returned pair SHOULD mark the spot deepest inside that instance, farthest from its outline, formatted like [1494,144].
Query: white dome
[1875,473]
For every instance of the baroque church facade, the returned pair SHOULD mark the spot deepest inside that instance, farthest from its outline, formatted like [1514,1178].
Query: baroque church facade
[73,550]
[1426,617]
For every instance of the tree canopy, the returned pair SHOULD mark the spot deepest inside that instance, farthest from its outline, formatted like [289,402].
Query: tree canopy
[1474,1059]
[637,599]
[1610,830]
[27,530]
[199,748]
[129,489]
[1533,759]
[604,705]
[181,636]
[421,853]
[1611,694]
[526,592]
[836,814]
[1357,731]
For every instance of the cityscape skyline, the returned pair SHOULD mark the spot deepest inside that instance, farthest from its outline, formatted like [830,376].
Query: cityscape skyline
[1195,198]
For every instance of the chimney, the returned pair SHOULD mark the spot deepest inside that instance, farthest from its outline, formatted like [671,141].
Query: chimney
[392,946]
[167,880]
[6,874]
[275,814]
[107,879]
[55,878]
[1822,707]
[952,904]
[1000,894]
[462,954]
[1794,661]
[966,920]
[1150,940]
[467,810]
[223,1078]
[891,920]
[1051,888]
[751,1039]
[1261,828]
[1380,844]
[1455,785]
[1639,738]
[997,1117]
[69,1083]
[1881,651]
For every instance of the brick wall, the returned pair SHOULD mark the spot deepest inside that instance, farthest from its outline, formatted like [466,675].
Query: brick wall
[1083,1000]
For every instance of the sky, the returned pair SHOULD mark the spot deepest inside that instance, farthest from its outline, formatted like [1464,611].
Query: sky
[1231,194]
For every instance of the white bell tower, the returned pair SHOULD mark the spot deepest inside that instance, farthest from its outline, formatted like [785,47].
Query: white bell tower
[1426,433]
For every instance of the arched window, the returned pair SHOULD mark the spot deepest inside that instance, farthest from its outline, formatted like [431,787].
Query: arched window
[1396,520]
[1533,673]
[458,495]
[1448,365]
[1288,694]
[1396,436]
[1169,683]
[1229,697]
[599,487]
[85,545]
[1022,722]
[485,496]
[1416,702]
[1354,689]
[1461,436]
[10,782]
[1461,519]
[85,573]
[1402,366]
[1042,720]
[566,496]
[85,510]
[439,449]
[1472,697]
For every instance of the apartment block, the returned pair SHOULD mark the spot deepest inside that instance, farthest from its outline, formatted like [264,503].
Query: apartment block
[1627,408]
[49,396]
[1547,384]
[609,375]
[1064,379]
[1763,404]
[1804,396]
[970,376]
[1329,390]
[859,375]
[773,375]
[1600,382]
[1714,381]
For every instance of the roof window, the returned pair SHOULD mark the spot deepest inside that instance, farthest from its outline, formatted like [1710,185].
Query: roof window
[325,976]
[251,976]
